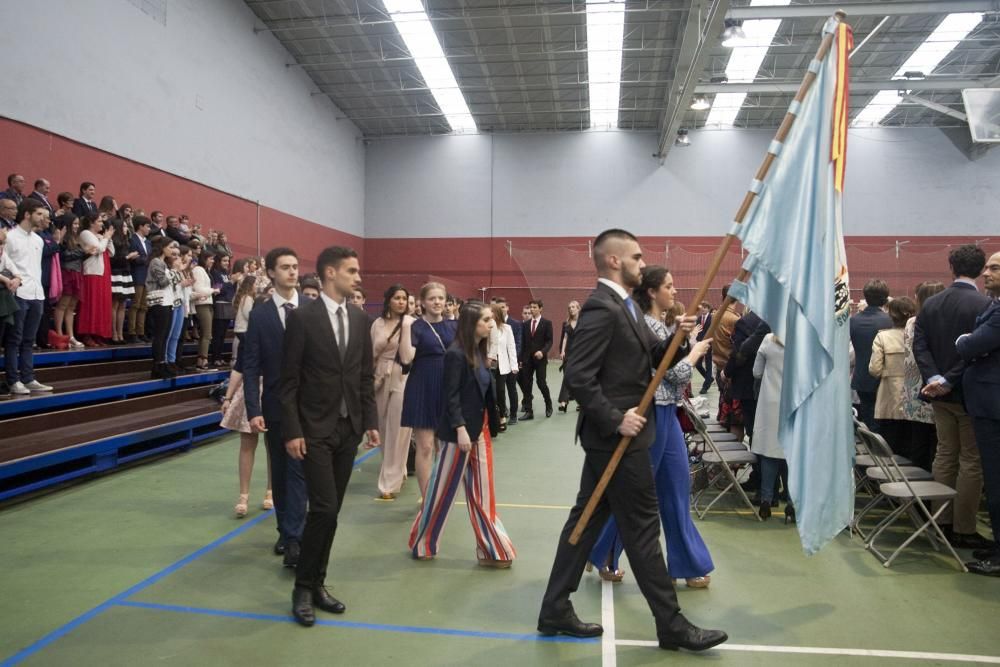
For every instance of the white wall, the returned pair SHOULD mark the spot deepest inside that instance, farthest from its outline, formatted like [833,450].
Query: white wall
[106,74]
[900,182]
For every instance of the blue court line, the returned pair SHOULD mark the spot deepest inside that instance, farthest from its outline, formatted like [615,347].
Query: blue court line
[412,629]
[364,457]
[65,629]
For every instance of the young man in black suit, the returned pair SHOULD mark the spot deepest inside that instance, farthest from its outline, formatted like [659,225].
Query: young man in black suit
[943,318]
[328,402]
[613,352]
[981,351]
[260,357]
[864,327]
[537,333]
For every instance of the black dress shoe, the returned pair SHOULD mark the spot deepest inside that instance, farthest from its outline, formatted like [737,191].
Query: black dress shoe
[279,547]
[527,416]
[562,407]
[984,554]
[569,624]
[970,541]
[684,634]
[989,567]
[302,607]
[326,602]
[291,554]
[548,410]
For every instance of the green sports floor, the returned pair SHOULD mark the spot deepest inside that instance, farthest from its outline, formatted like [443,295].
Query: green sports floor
[148,566]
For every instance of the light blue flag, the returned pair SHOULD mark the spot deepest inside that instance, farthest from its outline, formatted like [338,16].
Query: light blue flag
[794,236]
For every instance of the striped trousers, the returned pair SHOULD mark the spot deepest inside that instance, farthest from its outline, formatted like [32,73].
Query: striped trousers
[475,470]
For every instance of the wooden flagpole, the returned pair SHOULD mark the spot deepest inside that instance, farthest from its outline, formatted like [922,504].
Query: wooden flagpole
[720,255]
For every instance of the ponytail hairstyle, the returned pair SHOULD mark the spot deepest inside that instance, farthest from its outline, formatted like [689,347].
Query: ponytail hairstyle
[653,277]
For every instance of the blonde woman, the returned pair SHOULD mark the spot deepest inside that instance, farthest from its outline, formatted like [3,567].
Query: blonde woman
[502,354]
[565,338]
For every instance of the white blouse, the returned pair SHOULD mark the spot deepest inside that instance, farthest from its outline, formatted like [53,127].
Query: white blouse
[93,265]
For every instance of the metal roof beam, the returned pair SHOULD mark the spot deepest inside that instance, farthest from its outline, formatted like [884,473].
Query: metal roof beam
[934,106]
[763,87]
[864,9]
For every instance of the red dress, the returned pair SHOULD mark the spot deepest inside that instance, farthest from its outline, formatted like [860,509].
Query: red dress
[94,316]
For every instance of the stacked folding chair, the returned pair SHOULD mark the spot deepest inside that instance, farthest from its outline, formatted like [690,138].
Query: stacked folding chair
[724,455]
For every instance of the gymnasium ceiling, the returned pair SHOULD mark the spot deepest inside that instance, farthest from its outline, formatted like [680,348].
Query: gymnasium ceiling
[522,65]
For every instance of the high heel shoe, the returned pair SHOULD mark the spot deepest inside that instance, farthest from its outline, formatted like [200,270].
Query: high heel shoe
[789,514]
[606,573]
[698,582]
[268,503]
[764,511]
[242,506]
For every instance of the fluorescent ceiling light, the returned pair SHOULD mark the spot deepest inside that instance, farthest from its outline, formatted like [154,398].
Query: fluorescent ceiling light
[418,35]
[951,31]
[605,30]
[700,103]
[744,63]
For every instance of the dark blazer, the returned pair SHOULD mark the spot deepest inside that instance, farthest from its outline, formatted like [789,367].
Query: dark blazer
[864,327]
[540,342]
[611,365]
[981,351]
[314,380]
[515,326]
[45,201]
[140,264]
[467,393]
[260,356]
[82,208]
[943,318]
[49,250]
[747,338]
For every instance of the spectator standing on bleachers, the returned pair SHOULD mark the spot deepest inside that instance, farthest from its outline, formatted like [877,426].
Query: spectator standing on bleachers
[64,209]
[85,204]
[160,297]
[182,298]
[122,283]
[174,231]
[71,256]
[9,282]
[222,304]
[957,464]
[223,245]
[261,358]
[24,252]
[15,189]
[156,230]
[41,193]
[139,250]
[864,327]
[202,293]
[8,211]
[94,322]
[50,268]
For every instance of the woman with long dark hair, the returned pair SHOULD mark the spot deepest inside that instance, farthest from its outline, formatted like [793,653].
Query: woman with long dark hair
[160,297]
[122,288]
[71,256]
[222,304]
[687,555]
[466,452]
[390,383]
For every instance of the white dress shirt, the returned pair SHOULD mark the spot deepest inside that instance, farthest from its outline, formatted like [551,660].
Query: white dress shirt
[24,251]
[619,290]
[331,308]
[280,302]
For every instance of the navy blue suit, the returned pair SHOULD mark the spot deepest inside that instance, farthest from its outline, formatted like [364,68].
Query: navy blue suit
[140,264]
[516,327]
[864,327]
[260,358]
[467,394]
[981,382]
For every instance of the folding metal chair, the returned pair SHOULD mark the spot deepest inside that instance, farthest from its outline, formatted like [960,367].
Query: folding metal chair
[911,498]
[724,460]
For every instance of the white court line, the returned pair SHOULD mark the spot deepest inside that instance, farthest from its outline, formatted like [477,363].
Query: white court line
[609,656]
[860,652]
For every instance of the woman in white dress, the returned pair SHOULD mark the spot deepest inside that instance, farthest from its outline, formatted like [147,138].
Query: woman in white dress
[768,367]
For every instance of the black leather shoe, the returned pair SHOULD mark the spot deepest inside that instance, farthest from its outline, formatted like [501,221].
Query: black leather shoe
[326,602]
[970,541]
[683,634]
[302,607]
[562,407]
[279,548]
[548,410]
[989,567]
[570,625]
[983,554]
[527,416]
[291,554]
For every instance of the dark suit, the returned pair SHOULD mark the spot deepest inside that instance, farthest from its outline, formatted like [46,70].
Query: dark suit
[864,327]
[704,365]
[539,341]
[516,327]
[259,357]
[608,373]
[981,381]
[45,200]
[13,195]
[328,398]
[467,393]
[82,207]
[943,318]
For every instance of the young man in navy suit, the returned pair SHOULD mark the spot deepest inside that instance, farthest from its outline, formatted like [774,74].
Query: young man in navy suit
[139,243]
[260,358]
[981,380]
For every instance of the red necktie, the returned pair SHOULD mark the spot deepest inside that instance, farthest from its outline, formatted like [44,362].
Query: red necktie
[534,325]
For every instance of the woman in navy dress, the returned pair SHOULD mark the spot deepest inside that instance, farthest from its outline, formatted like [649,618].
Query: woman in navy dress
[423,345]
[687,555]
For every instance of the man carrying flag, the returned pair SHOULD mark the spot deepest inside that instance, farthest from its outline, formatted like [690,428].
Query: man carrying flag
[793,234]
